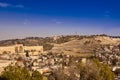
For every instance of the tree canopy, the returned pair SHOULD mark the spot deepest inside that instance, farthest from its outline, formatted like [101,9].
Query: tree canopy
[94,70]
[19,73]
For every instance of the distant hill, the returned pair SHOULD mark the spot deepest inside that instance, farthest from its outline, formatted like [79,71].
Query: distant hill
[69,43]
[85,46]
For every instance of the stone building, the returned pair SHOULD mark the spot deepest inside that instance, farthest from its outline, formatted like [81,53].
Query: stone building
[19,48]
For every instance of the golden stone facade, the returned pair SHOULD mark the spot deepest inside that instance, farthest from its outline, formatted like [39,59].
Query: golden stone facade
[19,48]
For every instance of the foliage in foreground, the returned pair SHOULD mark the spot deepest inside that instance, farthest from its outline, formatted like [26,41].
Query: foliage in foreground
[19,73]
[93,70]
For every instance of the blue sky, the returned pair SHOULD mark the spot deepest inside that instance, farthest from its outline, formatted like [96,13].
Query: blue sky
[24,18]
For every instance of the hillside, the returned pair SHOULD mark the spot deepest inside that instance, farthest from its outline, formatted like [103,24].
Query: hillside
[85,46]
[70,44]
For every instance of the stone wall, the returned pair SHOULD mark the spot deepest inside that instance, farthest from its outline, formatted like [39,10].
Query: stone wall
[19,48]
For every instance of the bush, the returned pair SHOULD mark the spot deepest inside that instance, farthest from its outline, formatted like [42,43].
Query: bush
[47,47]
[95,71]
[19,73]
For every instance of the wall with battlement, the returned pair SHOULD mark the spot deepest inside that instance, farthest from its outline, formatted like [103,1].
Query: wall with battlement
[19,48]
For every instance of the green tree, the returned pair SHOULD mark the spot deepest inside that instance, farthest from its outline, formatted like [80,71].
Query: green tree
[36,76]
[94,70]
[19,73]
[47,47]
[89,71]
[15,73]
[105,71]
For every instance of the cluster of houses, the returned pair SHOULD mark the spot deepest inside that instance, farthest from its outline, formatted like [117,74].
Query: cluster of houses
[109,54]
[14,53]
[45,61]
[46,64]
[33,58]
